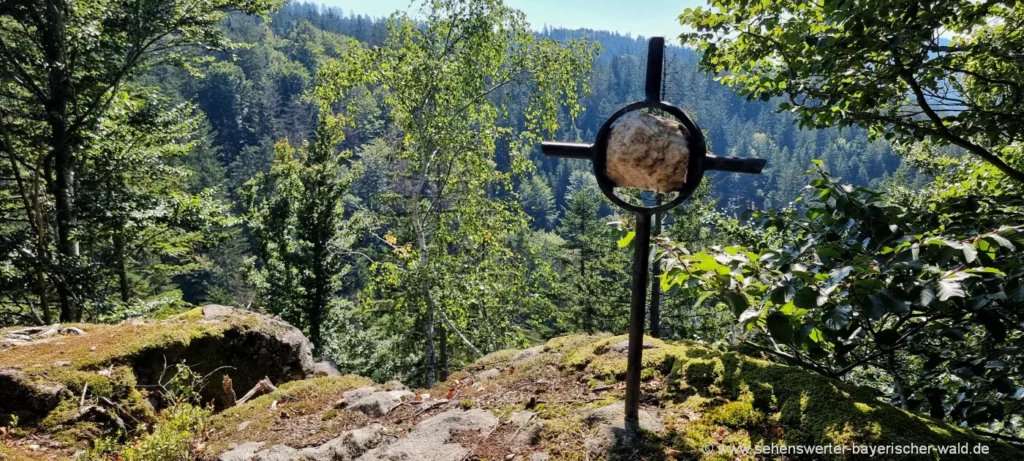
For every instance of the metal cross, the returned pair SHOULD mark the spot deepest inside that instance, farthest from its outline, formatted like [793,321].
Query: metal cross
[699,162]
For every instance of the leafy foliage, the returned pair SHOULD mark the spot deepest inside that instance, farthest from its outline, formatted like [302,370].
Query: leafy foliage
[928,294]
[885,66]
[66,71]
[452,263]
[177,434]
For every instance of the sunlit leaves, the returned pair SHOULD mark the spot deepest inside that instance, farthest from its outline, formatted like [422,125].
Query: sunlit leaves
[837,317]
[737,302]
[859,277]
[625,241]
[951,286]
[890,69]
[448,79]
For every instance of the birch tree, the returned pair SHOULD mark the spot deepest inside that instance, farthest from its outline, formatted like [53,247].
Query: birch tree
[446,77]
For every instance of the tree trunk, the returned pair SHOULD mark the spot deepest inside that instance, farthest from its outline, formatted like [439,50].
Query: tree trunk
[902,393]
[588,307]
[430,362]
[316,308]
[655,310]
[60,96]
[428,333]
[122,268]
[34,215]
[443,366]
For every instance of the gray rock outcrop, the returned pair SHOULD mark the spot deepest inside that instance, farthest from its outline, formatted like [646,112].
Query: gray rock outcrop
[609,428]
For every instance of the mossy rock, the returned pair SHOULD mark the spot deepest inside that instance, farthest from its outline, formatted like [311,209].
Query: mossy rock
[254,421]
[48,377]
[742,400]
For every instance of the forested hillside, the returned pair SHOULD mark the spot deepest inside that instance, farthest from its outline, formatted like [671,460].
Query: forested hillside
[294,41]
[229,111]
[378,183]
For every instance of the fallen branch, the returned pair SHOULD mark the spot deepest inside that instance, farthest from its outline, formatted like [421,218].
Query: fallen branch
[81,401]
[119,411]
[264,385]
[1015,441]
[519,430]
[427,408]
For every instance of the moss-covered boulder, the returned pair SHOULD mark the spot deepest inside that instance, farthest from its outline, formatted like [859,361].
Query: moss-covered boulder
[74,387]
[710,399]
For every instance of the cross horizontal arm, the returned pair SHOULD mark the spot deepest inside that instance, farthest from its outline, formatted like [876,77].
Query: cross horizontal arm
[734,164]
[567,150]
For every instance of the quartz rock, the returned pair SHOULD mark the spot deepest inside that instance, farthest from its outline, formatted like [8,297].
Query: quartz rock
[648,152]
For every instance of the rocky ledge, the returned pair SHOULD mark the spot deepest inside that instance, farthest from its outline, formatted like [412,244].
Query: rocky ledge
[559,400]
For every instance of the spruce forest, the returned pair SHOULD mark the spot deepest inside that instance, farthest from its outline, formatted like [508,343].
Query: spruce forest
[378,183]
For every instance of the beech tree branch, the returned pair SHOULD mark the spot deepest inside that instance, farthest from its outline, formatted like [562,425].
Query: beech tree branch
[943,131]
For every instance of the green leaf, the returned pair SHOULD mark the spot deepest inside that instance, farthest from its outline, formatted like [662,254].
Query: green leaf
[887,303]
[1001,241]
[838,317]
[782,295]
[809,331]
[1005,385]
[625,241]
[836,276]
[703,297]
[926,296]
[737,302]
[950,288]
[970,253]
[806,298]
[750,315]
[780,328]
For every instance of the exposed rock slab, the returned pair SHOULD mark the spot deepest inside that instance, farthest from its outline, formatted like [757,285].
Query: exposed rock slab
[349,446]
[375,403]
[648,152]
[610,429]
[527,354]
[432,438]
[325,368]
[273,349]
[346,447]
[528,428]
[54,359]
[244,452]
[488,374]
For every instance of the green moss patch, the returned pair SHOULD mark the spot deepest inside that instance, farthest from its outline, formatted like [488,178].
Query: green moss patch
[302,407]
[106,344]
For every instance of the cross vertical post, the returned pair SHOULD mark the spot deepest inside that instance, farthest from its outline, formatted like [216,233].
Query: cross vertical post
[638,302]
[655,58]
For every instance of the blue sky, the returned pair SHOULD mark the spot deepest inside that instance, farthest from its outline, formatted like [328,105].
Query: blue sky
[636,17]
